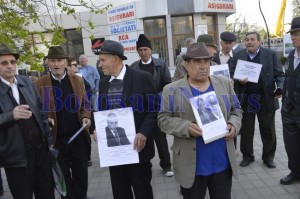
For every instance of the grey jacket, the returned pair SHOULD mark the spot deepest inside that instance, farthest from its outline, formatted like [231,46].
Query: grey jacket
[176,122]
[12,145]
[161,76]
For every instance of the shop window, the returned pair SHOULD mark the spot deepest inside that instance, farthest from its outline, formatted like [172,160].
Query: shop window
[72,47]
[155,30]
[182,28]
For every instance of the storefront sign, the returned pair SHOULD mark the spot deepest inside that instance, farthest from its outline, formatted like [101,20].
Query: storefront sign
[123,27]
[219,5]
[121,13]
[128,40]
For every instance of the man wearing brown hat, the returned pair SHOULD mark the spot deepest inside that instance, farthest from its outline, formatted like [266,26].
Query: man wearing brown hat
[24,133]
[161,77]
[200,166]
[64,100]
[125,87]
[290,111]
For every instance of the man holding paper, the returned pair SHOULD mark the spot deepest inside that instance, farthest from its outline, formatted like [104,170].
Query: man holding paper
[199,166]
[121,88]
[64,100]
[258,98]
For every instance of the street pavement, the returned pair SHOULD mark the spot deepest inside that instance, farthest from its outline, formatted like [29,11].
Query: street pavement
[255,181]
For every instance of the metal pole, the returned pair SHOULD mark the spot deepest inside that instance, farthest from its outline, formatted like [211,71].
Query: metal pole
[265,23]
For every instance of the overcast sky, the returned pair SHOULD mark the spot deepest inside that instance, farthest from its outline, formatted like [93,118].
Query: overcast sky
[270,9]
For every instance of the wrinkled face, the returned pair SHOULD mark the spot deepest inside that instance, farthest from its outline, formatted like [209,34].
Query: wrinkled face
[112,122]
[198,69]
[8,65]
[57,67]
[144,53]
[295,36]
[73,67]
[252,43]
[226,46]
[83,60]
[108,64]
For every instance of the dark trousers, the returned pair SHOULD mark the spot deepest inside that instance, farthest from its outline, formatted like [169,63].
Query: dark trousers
[72,159]
[266,120]
[161,142]
[132,177]
[1,181]
[219,186]
[291,137]
[35,179]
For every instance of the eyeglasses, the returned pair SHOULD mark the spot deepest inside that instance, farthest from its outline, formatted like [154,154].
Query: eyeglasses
[74,65]
[5,63]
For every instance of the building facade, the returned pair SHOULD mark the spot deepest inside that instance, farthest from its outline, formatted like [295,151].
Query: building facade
[166,23]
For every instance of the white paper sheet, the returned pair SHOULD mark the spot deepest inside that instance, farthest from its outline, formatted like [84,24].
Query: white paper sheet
[210,117]
[121,154]
[245,69]
[221,70]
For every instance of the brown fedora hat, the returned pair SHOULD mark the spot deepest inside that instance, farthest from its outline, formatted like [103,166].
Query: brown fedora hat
[56,52]
[295,25]
[196,51]
[5,50]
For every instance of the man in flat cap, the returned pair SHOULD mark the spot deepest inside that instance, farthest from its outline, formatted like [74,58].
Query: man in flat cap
[161,76]
[126,87]
[24,133]
[200,166]
[224,55]
[290,111]
[65,103]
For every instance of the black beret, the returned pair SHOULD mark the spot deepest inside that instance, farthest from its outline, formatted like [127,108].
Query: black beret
[228,36]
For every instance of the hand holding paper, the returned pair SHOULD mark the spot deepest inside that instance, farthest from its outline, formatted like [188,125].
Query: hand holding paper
[195,130]
[232,132]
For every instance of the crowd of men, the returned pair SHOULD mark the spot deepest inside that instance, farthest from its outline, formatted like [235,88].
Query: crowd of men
[43,115]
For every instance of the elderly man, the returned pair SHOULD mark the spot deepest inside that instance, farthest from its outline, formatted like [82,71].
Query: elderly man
[64,100]
[161,77]
[126,87]
[180,71]
[224,55]
[199,166]
[24,133]
[92,76]
[259,99]
[290,111]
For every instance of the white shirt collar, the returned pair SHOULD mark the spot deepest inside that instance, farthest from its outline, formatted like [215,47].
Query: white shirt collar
[8,83]
[60,78]
[121,74]
[148,62]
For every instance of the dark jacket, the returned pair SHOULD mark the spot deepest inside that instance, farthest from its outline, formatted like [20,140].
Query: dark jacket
[138,93]
[161,75]
[111,139]
[217,60]
[291,88]
[272,74]
[12,144]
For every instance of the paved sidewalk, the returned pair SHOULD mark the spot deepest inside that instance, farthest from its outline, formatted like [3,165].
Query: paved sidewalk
[255,181]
